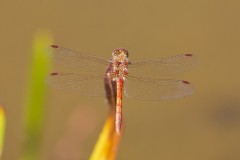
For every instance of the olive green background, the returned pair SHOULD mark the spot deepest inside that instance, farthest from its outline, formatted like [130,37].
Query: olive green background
[205,125]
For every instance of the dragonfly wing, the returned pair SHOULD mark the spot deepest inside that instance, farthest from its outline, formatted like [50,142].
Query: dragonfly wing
[156,89]
[163,66]
[81,84]
[79,61]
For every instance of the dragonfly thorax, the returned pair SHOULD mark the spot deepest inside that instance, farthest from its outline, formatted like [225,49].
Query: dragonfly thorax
[119,64]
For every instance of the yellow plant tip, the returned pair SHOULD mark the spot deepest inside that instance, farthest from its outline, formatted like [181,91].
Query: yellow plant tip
[42,37]
[2,127]
[108,141]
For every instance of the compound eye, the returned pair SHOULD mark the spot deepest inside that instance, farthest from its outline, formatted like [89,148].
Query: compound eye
[115,53]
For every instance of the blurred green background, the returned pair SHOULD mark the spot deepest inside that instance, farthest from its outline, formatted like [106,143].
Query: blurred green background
[205,125]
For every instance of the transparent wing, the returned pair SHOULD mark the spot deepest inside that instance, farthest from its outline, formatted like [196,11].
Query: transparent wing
[162,66]
[81,84]
[82,62]
[156,89]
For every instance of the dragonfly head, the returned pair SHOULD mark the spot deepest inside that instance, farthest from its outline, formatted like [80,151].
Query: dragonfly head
[120,52]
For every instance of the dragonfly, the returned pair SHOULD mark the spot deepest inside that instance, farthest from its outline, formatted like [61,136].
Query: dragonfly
[95,76]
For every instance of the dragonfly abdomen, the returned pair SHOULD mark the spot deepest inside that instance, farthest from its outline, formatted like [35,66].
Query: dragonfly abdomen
[118,116]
